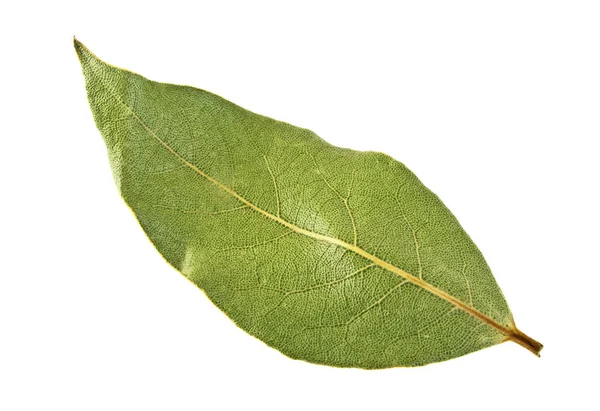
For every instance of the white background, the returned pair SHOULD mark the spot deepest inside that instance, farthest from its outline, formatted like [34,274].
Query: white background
[494,105]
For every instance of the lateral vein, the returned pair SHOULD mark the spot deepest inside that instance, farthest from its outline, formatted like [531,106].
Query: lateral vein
[274,184]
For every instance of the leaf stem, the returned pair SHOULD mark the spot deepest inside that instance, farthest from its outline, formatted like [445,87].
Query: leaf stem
[526,341]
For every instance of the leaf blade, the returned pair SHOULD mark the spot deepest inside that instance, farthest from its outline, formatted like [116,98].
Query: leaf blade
[222,191]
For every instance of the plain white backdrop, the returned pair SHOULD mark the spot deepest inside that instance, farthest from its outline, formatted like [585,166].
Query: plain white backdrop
[494,105]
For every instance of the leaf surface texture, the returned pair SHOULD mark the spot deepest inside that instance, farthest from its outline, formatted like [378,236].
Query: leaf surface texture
[329,255]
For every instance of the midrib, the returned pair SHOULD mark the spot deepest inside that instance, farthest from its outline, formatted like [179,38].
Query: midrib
[384,264]
[510,333]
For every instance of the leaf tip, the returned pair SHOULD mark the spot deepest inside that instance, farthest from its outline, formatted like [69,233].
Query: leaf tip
[84,54]
[80,49]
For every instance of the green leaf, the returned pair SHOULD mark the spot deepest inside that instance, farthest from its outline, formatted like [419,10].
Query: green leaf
[329,255]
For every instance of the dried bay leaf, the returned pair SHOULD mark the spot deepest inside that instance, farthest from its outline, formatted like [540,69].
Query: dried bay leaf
[329,255]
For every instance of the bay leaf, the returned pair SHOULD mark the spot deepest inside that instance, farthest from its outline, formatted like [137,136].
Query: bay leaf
[329,255]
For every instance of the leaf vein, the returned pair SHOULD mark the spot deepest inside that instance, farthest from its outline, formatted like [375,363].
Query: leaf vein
[509,332]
